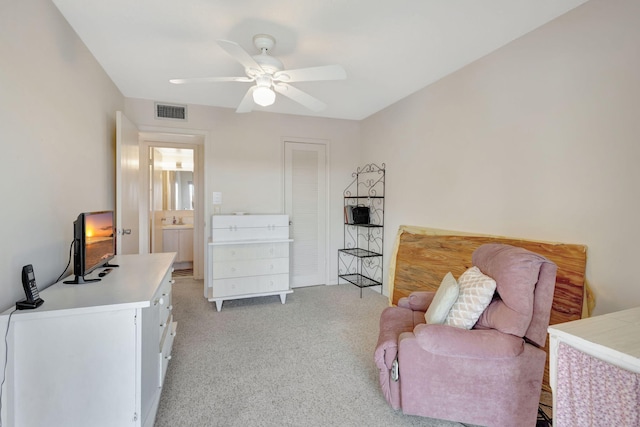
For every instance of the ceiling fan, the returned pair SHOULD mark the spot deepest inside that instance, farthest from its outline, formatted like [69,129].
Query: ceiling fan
[269,75]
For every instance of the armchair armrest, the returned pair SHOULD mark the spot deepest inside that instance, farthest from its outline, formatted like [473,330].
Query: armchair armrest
[417,301]
[457,342]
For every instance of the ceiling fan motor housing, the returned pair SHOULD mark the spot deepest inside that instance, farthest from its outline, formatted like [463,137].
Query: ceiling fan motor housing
[268,63]
[264,43]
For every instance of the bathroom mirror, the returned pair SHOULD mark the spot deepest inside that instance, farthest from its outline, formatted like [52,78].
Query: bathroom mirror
[177,190]
[172,176]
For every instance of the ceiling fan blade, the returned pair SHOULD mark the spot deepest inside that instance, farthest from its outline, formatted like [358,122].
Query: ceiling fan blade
[211,80]
[241,55]
[300,97]
[246,105]
[325,72]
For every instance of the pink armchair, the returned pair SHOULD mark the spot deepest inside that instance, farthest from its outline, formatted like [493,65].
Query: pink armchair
[490,375]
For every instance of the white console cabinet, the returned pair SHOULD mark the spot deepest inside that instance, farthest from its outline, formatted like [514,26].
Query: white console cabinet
[93,354]
[248,257]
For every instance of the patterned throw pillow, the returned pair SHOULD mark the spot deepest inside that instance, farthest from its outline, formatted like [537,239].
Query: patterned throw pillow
[476,292]
[445,297]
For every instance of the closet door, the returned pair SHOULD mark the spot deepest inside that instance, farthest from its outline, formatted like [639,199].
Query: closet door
[306,202]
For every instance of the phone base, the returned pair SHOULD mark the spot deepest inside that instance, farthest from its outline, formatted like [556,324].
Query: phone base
[27,305]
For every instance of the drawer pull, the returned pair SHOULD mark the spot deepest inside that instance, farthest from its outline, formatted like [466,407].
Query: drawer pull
[162,325]
[167,357]
[160,300]
[172,281]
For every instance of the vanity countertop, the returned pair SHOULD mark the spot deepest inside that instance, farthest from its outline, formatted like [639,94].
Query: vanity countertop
[177,226]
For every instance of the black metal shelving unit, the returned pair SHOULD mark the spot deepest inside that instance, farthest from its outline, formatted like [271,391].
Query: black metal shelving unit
[360,260]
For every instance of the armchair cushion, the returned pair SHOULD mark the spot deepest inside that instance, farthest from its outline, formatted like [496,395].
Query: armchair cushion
[444,340]
[476,292]
[445,297]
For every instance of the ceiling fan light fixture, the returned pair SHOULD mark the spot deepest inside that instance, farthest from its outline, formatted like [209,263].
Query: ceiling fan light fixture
[264,96]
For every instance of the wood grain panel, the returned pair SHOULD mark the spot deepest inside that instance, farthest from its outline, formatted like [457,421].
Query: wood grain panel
[425,255]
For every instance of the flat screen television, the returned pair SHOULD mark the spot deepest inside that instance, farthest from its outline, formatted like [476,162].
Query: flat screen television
[94,244]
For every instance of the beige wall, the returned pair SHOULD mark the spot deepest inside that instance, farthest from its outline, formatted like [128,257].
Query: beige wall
[537,140]
[244,158]
[57,110]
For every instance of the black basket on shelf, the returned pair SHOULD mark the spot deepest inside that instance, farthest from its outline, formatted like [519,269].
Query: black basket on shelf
[360,214]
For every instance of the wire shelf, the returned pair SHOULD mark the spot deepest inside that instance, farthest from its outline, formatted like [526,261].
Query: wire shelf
[360,253]
[359,280]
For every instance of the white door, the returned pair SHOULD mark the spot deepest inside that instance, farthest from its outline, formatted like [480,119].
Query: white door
[127,186]
[305,203]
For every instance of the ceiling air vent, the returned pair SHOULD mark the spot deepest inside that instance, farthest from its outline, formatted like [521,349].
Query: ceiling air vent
[169,111]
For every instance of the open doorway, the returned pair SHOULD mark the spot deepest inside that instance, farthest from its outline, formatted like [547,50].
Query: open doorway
[174,182]
[172,203]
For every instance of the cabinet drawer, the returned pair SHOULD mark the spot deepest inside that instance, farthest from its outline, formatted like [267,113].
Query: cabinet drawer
[166,344]
[163,303]
[250,251]
[242,268]
[250,285]
[226,221]
[165,322]
[250,233]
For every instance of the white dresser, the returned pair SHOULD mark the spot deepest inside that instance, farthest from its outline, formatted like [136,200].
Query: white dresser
[248,256]
[94,354]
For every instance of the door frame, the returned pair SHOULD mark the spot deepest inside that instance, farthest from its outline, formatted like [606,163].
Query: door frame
[178,138]
[327,164]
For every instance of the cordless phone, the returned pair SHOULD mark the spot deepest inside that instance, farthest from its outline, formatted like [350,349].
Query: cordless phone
[30,290]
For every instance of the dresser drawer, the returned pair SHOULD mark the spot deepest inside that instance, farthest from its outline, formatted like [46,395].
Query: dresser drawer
[250,285]
[166,344]
[250,233]
[250,251]
[244,221]
[243,268]
[163,302]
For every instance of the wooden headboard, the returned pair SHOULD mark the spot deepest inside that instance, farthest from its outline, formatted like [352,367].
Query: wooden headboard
[422,257]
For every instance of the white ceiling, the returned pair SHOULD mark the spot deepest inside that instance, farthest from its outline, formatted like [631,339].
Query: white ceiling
[389,48]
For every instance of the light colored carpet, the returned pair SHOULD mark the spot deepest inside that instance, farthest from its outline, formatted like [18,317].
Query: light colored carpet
[257,362]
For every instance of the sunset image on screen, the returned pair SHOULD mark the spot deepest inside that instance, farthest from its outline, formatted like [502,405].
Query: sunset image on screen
[98,237]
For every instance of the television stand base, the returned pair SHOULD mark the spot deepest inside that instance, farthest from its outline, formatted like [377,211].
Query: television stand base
[80,280]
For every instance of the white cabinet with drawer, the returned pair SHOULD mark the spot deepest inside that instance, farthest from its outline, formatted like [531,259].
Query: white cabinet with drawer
[248,256]
[94,354]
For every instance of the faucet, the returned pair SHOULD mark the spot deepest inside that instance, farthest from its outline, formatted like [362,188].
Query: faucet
[174,220]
